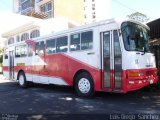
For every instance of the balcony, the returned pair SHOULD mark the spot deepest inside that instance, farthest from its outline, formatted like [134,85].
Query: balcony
[36,14]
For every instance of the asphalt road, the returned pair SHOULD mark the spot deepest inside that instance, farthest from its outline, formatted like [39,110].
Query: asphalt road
[60,100]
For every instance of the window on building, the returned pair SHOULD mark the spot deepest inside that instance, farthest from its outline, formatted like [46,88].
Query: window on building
[11,40]
[21,51]
[62,44]
[47,8]
[86,40]
[35,34]
[51,46]
[25,4]
[17,39]
[75,42]
[40,47]
[24,36]
[85,16]
[93,6]
[30,50]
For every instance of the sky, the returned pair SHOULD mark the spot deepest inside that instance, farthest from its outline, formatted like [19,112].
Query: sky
[6,5]
[122,8]
[119,8]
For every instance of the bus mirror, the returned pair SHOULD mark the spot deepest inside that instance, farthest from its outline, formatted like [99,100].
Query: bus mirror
[120,33]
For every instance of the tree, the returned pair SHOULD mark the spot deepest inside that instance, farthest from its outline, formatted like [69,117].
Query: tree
[138,17]
[1,51]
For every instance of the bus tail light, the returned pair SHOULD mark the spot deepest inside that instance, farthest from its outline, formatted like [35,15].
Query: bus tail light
[135,74]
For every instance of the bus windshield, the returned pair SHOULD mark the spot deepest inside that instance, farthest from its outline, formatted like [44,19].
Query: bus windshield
[135,37]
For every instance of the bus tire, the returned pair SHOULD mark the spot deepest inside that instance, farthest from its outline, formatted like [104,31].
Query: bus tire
[22,80]
[84,85]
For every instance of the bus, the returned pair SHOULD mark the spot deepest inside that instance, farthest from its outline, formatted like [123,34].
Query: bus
[108,56]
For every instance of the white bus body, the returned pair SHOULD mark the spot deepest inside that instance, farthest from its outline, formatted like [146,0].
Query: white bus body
[104,56]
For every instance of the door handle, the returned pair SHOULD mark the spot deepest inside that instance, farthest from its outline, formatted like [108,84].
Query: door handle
[91,53]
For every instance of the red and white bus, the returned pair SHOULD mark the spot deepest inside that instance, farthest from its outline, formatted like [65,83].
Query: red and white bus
[106,56]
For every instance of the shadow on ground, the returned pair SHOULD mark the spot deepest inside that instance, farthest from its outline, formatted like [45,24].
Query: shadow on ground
[51,99]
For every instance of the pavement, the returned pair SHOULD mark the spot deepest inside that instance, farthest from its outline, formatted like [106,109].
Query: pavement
[40,102]
[3,79]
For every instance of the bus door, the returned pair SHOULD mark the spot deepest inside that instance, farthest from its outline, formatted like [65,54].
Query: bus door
[11,64]
[111,61]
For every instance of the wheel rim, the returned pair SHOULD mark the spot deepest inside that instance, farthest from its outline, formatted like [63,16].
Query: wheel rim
[84,85]
[21,80]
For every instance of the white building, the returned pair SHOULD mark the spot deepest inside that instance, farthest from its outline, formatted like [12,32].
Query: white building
[16,28]
[96,10]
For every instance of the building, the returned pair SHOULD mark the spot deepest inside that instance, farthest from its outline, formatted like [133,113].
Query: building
[36,28]
[155,39]
[11,21]
[23,27]
[80,11]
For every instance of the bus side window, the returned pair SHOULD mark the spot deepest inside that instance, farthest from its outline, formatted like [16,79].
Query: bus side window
[75,42]
[40,47]
[21,51]
[86,40]
[51,46]
[30,50]
[62,44]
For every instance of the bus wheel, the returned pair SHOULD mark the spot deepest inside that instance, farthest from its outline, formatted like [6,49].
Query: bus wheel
[84,85]
[22,80]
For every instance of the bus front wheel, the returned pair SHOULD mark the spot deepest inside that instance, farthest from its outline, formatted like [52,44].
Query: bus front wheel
[22,80]
[84,85]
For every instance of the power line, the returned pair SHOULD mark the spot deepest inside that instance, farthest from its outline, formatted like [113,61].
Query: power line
[116,1]
[125,6]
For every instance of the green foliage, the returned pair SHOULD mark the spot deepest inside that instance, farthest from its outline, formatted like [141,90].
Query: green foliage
[1,51]
[138,17]
[1,58]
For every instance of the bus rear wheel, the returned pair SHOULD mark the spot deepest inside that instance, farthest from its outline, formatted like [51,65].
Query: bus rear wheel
[84,85]
[22,80]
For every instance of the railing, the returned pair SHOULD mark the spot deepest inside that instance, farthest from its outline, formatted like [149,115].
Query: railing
[25,11]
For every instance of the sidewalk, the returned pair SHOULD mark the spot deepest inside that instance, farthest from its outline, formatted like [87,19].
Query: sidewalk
[3,79]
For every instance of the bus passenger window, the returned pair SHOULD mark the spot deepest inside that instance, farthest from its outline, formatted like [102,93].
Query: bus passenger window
[75,42]
[30,49]
[21,51]
[86,40]
[50,46]
[40,47]
[62,44]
